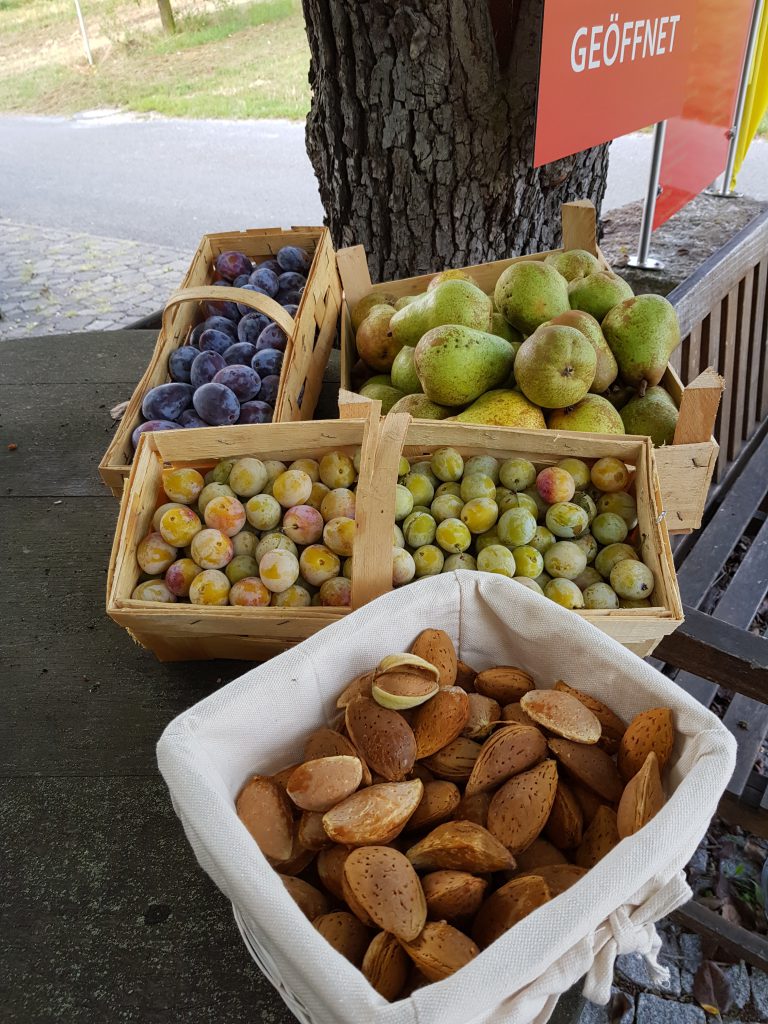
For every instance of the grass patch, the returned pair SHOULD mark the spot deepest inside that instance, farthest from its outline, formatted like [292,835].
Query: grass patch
[228,59]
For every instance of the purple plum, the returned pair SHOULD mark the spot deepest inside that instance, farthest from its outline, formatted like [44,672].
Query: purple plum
[266,279]
[289,281]
[267,362]
[215,341]
[232,264]
[150,425]
[189,418]
[269,386]
[251,326]
[245,309]
[241,353]
[217,404]
[180,362]
[255,412]
[205,368]
[242,380]
[272,337]
[167,401]
[290,257]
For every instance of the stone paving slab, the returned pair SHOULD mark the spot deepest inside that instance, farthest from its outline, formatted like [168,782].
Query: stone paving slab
[55,282]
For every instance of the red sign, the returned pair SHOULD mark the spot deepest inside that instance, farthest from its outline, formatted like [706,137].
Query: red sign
[696,145]
[608,69]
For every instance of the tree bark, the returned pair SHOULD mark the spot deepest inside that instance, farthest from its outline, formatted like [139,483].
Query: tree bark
[166,16]
[421,132]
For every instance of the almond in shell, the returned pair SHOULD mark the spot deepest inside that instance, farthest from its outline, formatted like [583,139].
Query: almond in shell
[455,760]
[311,833]
[651,730]
[281,777]
[504,683]
[345,933]
[386,966]
[562,714]
[420,771]
[452,894]
[599,839]
[460,846]
[383,883]
[539,853]
[326,742]
[383,737]
[514,713]
[440,950]
[484,712]
[266,812]
[465,676]
[565,825]
[436,647]
[301,856]
[474,808]
[439,800]
[374,815]
[311,901]
[589,802]
[507,906]
[321,784]
[642,798]
[440,721]
[511,749]
[611,725]
[559,877]
[330,868]
[590,766]
[519,810]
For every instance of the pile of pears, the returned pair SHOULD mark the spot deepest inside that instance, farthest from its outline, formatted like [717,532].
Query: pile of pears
[561,343]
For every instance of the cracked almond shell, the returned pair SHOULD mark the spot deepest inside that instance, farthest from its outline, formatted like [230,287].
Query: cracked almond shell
[512,749]
[402,691]
[440,950]
[562,714]
[375,815]
[460,846]
[520,808]
[383,883]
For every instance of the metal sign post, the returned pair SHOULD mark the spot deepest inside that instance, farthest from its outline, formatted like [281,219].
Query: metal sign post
[642,259]
[725,190]
[84,33]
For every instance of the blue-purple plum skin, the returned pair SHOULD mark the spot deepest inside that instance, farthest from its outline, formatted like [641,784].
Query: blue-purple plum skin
[217,405]
[205,368]
[242,380]
[180,363]
[149,425]
[167,401]
[255,412]
[241,353]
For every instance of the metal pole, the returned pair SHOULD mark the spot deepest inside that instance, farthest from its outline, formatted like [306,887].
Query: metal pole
[649,207]
[741,98]
[84,33]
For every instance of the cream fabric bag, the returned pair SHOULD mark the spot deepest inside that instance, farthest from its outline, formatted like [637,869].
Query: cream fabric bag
[258,724]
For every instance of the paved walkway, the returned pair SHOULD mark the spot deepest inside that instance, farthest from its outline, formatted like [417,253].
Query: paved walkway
[55,281]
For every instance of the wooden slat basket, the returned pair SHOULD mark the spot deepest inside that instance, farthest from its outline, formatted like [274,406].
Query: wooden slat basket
[639,629]
[311,332]
[685,468]
[176,632]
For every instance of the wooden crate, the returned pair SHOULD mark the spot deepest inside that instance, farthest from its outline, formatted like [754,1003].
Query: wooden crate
[639,629]
[685,468]
[311,332]
[181,632]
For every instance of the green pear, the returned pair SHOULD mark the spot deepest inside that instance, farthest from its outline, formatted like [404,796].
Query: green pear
[599,292]
[593,415]
[502,329]
[404,374]
[504,408]
[457,364]
[379,390]
[655,414]
[374,341]
[529,293]
[362,308]
[573,263]
[555,367]
[451,302]
[405,300]
[606,370]
[420,407]
[643,332]
[450,275]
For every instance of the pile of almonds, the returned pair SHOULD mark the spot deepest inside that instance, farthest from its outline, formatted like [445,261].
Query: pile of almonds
[447,804]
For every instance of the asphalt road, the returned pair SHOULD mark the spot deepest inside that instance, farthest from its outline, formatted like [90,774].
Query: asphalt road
[167,181]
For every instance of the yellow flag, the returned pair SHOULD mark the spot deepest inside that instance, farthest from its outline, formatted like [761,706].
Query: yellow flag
[757,95]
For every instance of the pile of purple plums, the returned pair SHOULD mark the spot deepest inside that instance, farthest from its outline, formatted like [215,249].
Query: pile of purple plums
[229,370]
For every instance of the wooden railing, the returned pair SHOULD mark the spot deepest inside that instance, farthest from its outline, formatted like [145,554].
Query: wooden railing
[723,311]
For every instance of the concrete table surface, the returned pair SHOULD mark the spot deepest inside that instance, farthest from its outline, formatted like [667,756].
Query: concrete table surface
[106,915]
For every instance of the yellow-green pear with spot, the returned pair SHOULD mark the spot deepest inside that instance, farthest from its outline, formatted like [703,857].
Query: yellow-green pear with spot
[555,367]
[654,414]
[529,293]
[421,408]
[599,292]
[593,415]
[607,368]
[643,332]
[451,302]
[504,408]
[573,263]
[456,364]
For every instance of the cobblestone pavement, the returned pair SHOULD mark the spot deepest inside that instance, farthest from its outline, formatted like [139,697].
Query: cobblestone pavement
[54,281]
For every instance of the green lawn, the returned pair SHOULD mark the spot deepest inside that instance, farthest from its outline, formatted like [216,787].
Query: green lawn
[228,59]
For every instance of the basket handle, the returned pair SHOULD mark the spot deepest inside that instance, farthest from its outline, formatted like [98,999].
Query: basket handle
[208,293]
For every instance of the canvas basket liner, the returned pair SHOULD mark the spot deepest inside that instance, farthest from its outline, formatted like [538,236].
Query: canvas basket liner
[258,723]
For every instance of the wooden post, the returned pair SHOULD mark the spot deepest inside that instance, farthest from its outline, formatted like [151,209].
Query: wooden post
[166,16]
[698,408]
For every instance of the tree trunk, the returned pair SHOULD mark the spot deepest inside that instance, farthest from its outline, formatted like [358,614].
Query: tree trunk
[166,16]
[422,127]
